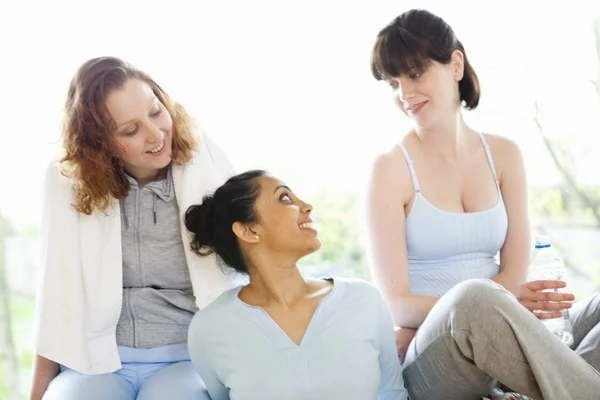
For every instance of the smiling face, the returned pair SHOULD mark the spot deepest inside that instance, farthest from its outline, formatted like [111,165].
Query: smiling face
[419,54]
[431,94]
[284,224]
[143,137]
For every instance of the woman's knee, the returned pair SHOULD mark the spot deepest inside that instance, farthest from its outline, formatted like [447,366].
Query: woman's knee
[71,385]
[177,381]
[466,302]
[474,291]
[477,298]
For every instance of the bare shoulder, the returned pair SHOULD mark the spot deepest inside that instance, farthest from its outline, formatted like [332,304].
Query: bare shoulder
[389,170]
[388,160]
[502,147]
[507,156]
[506,153]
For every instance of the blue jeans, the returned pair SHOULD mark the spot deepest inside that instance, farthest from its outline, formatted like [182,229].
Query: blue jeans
[147,374]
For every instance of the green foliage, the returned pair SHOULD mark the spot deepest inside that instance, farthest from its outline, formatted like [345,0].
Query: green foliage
[337,217]
[29,231]
[562,204]
[21,311]
[547,202]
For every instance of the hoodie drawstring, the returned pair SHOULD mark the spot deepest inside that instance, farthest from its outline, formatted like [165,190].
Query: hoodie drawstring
[125,216]
[154,207]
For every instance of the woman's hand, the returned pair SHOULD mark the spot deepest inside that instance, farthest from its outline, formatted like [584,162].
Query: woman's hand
[403,338]
[542,296]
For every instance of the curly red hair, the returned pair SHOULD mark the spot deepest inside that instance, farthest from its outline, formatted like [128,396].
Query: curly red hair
[87,127]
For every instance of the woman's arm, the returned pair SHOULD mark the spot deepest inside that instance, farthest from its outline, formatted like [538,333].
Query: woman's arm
[57,214]
[199,348]
[516,251]
[44,371]
[387,241]
[392,384]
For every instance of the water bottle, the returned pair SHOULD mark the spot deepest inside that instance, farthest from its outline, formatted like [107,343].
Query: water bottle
[547,265]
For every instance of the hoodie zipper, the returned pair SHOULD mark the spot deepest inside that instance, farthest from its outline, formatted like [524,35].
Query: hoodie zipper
[136,241]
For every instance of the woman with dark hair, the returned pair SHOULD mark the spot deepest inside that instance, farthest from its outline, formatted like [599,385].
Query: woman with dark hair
[284,336]
[442,204]
[119,284]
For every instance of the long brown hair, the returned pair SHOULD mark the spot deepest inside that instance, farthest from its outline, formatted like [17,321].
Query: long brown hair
[87,128]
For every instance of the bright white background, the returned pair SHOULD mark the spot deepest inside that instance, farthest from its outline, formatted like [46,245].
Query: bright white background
[286,85]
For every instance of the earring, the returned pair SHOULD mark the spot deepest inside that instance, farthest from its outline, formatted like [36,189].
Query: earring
[256,237]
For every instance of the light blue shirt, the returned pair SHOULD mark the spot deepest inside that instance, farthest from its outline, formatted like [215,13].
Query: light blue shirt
[348,351]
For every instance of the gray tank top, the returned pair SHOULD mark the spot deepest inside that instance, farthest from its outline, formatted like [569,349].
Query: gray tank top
[446,248]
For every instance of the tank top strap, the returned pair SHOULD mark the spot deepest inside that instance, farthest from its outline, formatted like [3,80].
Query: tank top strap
[411,168]
[488,154]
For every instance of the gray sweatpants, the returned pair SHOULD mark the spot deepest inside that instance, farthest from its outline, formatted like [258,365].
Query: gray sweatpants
[478,334]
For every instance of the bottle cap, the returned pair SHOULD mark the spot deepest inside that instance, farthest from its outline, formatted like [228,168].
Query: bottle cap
[542,241]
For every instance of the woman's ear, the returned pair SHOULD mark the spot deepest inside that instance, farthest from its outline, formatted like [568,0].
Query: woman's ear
[457,61]
[245,233]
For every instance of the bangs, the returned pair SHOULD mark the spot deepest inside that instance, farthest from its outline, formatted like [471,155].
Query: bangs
[398,52]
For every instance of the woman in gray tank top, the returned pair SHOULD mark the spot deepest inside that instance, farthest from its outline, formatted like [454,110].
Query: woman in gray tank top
[442,205]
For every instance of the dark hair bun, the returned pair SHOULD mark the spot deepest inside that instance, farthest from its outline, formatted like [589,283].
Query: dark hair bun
[198,220]
[211,223]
